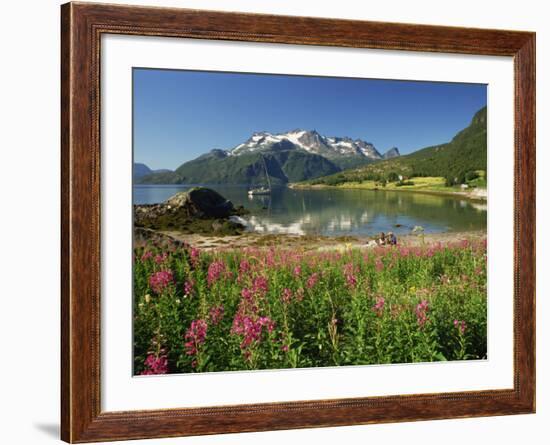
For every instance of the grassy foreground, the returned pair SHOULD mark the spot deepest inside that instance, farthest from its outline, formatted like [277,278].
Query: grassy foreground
[272,308]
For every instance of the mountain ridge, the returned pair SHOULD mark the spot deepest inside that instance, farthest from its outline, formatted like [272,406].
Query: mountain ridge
[316,155]
[330,147]
[141,170]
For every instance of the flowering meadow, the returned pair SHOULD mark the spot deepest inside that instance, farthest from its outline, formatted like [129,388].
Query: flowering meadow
[273,308]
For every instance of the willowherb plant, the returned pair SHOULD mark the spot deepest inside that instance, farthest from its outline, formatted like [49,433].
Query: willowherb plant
[194,338]
[422,313]
[270,308]
[155,365]
[161,280]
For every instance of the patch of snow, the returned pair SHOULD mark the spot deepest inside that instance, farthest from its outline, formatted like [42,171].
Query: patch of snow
[294,137]
[272,138]
[342,146]
[345,144]
[369,152]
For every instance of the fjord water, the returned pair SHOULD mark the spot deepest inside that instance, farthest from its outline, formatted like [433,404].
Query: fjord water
[332,212]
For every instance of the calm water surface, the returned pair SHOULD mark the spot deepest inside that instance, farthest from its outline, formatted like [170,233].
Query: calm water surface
[340,212]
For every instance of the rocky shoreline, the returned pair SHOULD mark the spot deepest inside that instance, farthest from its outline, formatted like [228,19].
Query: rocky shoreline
[198,211]
[305,242]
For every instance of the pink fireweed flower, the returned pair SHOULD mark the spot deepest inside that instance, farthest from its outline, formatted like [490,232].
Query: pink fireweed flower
[161,258]
[379,306]
[268,323]
[159,281]
[270,258]
[297,271]
[189,287]
[286,297]
[195,256]
[195,336]
[284,348]
[260,286]
[460,325]
[215,271]
[248,304]
[349,273]
[244,269]
[146,255]
[351,281]
[216,314]
[404,251]
[312,280]
[421,313]
[250,327]
[155,365]
[247,294]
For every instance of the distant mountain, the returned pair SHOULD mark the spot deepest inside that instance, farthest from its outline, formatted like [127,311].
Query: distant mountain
[289,157]
[391,153]
[141,170]
[342,151]
[466,152]
[283,166]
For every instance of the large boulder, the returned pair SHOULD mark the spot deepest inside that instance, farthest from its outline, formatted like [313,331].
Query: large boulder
[200,210]
[200,202]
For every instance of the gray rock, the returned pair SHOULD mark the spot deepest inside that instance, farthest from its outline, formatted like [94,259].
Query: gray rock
[197,203]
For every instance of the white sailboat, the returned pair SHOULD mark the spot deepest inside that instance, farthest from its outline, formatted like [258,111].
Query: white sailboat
[262,190]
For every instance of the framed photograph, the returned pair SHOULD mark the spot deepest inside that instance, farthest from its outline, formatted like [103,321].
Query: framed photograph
[275,222]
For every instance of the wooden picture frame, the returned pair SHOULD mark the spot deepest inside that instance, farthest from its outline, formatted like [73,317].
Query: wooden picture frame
[82,25]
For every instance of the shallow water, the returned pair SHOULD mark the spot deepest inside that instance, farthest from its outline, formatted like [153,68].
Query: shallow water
[340,212]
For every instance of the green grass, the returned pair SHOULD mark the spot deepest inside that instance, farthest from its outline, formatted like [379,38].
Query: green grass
[429,184]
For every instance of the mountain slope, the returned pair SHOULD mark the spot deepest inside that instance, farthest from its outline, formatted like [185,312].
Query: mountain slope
[283,166]
[466,152]
[391,153]
[142,170]
[290,157]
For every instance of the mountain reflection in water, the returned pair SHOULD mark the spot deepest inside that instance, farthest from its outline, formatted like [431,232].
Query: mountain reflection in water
[337,212]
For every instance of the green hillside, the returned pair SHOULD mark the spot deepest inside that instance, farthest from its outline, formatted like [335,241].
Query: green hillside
[218,168]
[456,160]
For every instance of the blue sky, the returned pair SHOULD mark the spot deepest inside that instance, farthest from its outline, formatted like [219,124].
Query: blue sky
[179,115]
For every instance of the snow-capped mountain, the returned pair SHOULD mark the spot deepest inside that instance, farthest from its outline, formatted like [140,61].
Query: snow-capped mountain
[293,156]
[329,147]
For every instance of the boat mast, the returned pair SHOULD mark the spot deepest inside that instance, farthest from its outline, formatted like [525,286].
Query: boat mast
[266,174]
